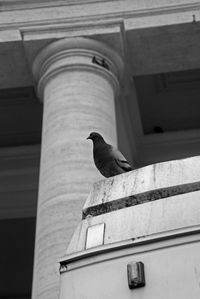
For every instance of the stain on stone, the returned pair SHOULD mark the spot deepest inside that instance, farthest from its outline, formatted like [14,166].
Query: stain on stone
[112,182]
[154,174]
[104,196]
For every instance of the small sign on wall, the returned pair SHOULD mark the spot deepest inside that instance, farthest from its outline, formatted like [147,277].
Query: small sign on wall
[95,235]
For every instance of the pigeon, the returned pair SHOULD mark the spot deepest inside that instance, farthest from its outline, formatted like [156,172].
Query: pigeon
[108,159]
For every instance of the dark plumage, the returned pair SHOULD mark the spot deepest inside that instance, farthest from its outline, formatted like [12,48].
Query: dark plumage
[108,159]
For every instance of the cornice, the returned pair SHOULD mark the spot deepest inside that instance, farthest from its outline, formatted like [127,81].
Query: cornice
[20,4]
[71,28]
[128,12]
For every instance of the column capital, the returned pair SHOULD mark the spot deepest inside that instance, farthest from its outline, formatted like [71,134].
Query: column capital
[76,54]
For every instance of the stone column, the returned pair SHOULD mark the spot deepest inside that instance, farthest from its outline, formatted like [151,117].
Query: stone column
[77,80]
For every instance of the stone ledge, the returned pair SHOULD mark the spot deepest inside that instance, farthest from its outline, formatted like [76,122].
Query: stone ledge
[177,236]
[117,202]
[146,184]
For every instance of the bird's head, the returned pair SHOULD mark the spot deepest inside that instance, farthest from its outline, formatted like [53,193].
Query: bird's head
[95,137]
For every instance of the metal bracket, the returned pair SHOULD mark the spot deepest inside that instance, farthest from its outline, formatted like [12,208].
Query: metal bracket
[136,277]
[100,62]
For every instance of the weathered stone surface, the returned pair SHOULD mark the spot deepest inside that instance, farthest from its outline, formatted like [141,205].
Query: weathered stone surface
[115,202]
[163,218]
[160,176]
[140,199]
[78,98]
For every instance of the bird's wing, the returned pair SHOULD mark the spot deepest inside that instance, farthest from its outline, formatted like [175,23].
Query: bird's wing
[120,159]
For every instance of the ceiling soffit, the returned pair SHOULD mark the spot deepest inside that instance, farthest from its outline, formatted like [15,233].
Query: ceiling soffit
[178,81]
[20,117]
[169,101]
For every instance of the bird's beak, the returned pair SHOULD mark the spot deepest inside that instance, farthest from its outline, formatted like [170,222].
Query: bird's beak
[88,137]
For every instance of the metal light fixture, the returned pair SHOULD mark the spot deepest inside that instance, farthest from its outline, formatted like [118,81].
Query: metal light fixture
[136,277]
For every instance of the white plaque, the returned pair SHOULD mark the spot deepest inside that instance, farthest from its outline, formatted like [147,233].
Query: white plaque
[95,235]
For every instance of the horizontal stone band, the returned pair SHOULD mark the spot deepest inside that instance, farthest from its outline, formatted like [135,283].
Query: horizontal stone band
[140,198]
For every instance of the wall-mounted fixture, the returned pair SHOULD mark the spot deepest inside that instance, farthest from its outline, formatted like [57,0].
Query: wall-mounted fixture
[136,277]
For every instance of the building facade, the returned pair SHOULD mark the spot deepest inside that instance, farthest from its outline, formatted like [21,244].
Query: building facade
[128,69]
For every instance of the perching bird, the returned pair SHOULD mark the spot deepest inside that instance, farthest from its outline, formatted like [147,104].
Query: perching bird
[108,159]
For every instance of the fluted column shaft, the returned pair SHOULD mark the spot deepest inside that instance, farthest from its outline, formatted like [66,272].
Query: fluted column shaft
[77,80]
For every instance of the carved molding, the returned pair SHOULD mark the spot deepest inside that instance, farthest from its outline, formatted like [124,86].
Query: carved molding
[125,10]
[76,54]
[135,6]
[71,28]
[21,4]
